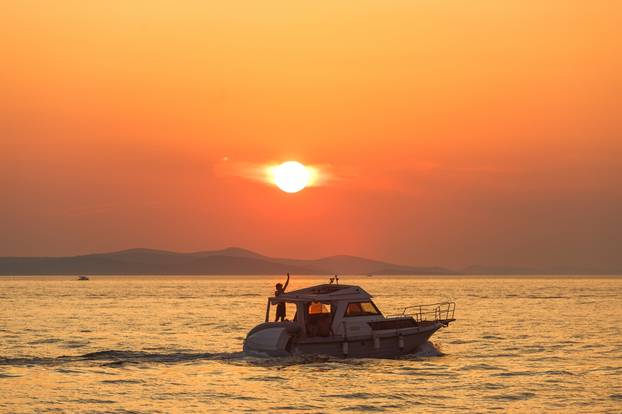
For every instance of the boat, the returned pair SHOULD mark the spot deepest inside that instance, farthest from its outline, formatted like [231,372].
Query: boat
[343,321]
[83,278]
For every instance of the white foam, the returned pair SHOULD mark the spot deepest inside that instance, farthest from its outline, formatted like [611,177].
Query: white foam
[428,349]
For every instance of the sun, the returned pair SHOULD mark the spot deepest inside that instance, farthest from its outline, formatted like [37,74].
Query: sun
[291,176]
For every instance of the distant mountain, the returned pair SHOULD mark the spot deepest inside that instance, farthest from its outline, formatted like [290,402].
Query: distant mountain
[230,261]
[237,261]
[231,251]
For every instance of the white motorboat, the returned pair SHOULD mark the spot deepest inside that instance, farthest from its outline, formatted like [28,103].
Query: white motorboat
[343,321]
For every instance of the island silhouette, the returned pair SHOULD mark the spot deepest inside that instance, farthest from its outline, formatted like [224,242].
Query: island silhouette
[238,261]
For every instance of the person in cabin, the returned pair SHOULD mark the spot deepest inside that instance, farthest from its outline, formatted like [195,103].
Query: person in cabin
[280,307]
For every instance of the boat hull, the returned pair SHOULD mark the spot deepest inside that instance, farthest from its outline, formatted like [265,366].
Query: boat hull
[271,340]
[380,345]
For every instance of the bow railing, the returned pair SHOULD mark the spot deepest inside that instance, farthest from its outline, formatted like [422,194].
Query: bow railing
[434,312]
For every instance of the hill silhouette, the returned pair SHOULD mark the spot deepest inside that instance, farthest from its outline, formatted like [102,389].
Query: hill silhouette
[238,261]
[230,261]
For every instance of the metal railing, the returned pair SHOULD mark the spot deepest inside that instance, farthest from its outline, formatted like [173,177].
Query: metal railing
[434,312]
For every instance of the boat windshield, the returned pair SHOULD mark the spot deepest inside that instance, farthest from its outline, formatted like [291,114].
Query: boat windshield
[361,309]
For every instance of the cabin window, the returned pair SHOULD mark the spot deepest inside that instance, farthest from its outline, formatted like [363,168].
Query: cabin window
[362,309]
[318,308]
[319,319]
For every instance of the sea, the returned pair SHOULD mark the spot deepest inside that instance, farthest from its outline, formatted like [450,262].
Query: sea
[174,345]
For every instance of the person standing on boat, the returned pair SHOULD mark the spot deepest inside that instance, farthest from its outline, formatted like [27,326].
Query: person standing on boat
[280,307]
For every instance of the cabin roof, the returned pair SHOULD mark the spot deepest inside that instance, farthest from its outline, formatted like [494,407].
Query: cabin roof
[324,292]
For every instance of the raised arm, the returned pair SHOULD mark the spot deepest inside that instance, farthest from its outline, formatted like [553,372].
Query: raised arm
[286,282]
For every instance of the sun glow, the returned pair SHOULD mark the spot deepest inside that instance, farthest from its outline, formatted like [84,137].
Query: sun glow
[291,176]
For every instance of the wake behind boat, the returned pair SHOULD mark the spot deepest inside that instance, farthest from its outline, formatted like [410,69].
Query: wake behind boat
[343,321]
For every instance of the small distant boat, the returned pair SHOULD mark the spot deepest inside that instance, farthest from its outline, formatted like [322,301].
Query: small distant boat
[343,321]
[83,278]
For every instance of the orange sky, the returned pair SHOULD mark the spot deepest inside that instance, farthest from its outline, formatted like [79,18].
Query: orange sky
[461,132]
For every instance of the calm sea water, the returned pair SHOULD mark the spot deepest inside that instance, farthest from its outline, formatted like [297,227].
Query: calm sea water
[172,344]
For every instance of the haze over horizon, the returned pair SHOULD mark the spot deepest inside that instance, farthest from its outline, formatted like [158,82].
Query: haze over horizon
[481,133]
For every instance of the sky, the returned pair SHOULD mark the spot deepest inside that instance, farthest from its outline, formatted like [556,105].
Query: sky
[451,132]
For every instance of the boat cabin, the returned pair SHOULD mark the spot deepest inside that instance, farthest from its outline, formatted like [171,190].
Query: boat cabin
[328,310]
